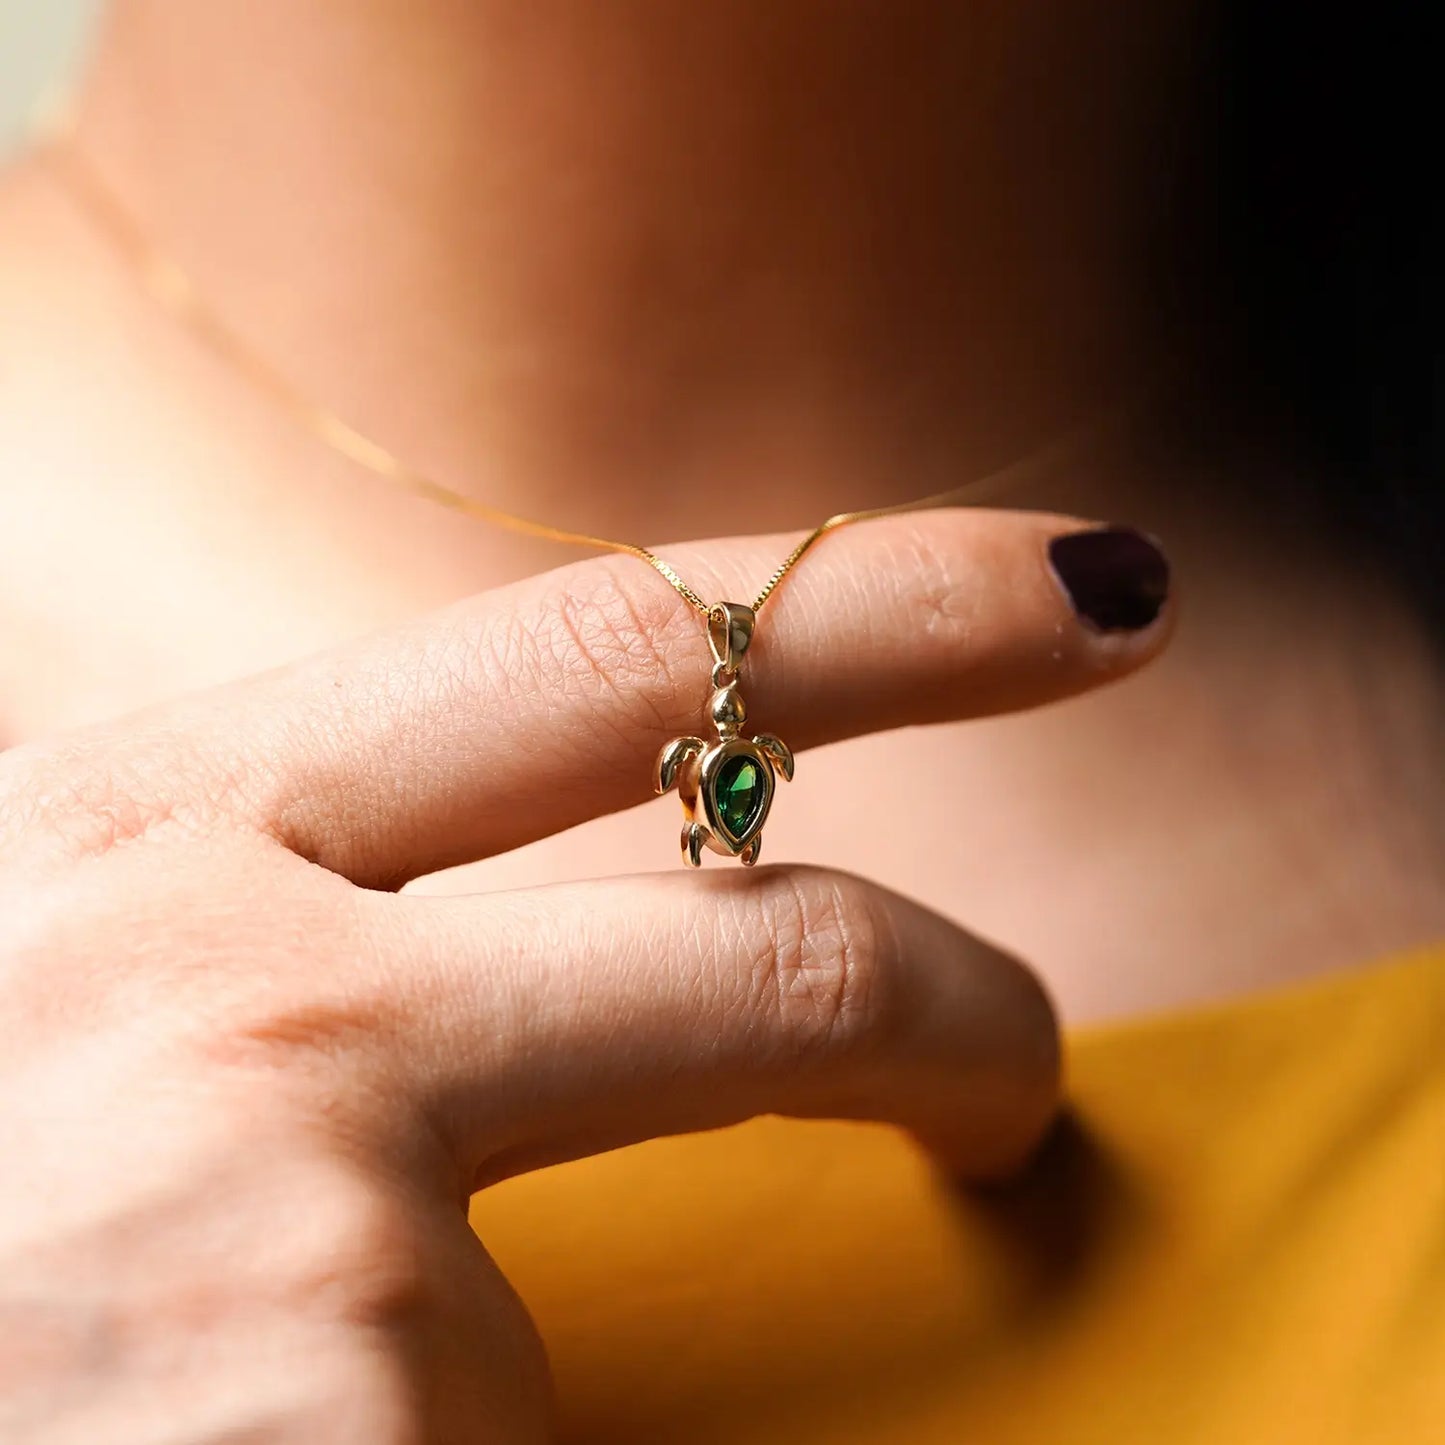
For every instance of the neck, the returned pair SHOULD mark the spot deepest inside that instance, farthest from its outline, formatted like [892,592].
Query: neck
[585,260]
[636,250]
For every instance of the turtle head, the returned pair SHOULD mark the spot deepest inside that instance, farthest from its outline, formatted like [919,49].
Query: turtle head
[728,711]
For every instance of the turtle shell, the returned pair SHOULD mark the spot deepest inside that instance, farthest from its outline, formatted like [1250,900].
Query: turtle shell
[735,789]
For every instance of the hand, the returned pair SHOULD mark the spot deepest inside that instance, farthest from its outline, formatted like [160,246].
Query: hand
[246,1087]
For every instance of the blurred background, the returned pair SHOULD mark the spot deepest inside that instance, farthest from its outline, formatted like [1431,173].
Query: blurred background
[1302,243]
[40,41]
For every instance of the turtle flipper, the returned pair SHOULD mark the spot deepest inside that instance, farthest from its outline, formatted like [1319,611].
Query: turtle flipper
[778,751]
[671,758]
[749,855]
[694,839]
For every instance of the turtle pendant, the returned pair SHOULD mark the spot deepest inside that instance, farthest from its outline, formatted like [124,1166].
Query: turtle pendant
[726,787]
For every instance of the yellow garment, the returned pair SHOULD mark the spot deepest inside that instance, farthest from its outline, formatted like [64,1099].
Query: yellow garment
[1243,1241]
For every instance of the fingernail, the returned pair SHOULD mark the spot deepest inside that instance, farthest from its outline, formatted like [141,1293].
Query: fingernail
[1115,577]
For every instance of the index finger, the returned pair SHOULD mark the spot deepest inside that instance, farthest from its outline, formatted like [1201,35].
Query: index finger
[534,707]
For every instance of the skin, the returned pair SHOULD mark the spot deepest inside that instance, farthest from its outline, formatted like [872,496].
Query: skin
[594,266]
[215,1008]
[549,198]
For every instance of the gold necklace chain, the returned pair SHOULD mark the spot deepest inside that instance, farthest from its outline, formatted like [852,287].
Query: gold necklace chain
[174,291]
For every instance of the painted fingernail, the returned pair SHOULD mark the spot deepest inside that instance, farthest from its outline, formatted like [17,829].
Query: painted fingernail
[1115,577]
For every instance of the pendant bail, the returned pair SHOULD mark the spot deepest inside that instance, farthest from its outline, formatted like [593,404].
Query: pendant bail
[729,631]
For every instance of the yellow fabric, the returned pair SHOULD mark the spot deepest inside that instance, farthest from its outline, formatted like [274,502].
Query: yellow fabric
[1243,1241]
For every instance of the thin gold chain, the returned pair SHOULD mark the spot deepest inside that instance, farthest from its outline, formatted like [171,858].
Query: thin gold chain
[173,290]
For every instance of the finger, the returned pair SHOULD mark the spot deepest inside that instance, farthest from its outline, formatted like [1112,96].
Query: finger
[534,707]
[650,1006]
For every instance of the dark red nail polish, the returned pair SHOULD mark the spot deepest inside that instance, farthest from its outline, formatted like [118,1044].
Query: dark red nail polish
[1115,577]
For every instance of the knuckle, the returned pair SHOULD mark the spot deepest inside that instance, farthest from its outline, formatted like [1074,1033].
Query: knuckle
[607,642]
[957,573]
[295,1020]
[81,798]
[826,962]
[290,1027]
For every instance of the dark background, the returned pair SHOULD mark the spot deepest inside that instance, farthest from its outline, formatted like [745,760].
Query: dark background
[1299,257]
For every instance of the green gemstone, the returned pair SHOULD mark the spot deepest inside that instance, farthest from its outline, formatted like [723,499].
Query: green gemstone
[740,792]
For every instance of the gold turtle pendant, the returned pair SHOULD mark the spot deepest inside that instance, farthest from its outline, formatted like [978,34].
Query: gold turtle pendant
[726,787]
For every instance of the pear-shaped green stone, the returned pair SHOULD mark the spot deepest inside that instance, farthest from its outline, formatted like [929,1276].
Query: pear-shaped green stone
[740,792]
